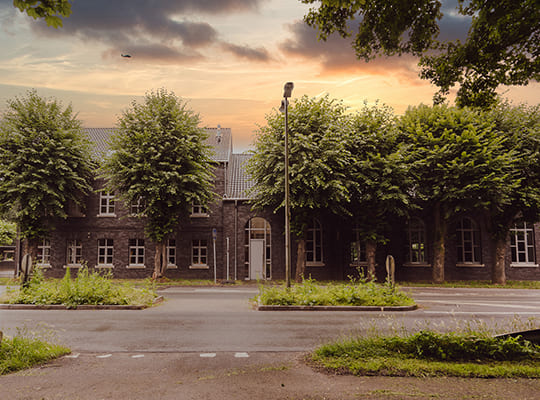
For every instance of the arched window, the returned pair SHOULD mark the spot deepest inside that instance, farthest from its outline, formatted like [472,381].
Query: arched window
[522,243]
[258,248]
[416,241]
[314,248]
[468,238]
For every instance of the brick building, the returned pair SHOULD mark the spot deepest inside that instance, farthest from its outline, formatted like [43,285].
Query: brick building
[249,244]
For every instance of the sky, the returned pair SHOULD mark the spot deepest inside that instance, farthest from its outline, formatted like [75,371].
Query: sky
[228,59]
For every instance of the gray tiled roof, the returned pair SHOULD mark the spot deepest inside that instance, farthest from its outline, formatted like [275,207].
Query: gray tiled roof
[238,180]
[221,145]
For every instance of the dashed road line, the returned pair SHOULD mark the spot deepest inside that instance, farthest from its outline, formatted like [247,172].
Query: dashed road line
[76,355]
[137,356]
[104,356]
[207,355]
[241,355]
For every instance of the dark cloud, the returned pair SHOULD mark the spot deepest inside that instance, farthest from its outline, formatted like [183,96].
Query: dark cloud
[259,54]
[139,25]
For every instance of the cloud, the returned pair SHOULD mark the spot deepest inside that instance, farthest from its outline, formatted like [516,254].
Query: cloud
[173,27]
[259,54]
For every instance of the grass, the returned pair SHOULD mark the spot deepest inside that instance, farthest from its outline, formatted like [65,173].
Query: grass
[428,353]
[355,293]
[21,352]
[86,288]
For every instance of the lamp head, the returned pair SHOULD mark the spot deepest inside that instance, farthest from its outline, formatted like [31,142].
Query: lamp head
[287,89]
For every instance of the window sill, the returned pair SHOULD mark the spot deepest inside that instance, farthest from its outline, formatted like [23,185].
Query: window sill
[171,266]
[523,265]
[199,266]
[315,264]
[104,266]
[417,265]
[136,266]
[470,265]
[44,266]
[106,215]
[199,216]
[73,266]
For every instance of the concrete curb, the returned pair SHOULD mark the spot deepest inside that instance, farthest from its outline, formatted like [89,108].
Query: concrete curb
[260,307]
[157,300]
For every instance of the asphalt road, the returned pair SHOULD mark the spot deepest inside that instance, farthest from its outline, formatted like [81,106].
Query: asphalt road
[222,320]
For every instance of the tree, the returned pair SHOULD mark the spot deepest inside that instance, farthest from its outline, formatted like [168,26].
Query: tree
[521,127]
[501,47]
[159,157]
[319,165]
[51,11]
[44,165]
[8,232]
[380,177]
[459,162]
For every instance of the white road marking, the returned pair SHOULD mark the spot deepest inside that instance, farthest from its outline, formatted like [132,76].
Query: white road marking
[208,355]
[76,355]
[241,355]
[104,356]
[138,356]
[483,304]
[483,312]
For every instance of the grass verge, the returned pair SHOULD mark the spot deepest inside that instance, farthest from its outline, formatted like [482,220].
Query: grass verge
[86,288]
[354,293]
[19,353]
[431,354]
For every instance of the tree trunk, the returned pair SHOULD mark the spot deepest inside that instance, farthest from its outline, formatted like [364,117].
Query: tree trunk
[371,249]
[498,274]
[160,260]
[438,246]
[300,260]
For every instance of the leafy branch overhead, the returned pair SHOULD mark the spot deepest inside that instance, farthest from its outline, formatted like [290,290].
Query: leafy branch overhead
[51,11]
[501,47]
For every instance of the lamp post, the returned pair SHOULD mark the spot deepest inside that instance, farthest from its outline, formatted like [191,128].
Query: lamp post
[287,90]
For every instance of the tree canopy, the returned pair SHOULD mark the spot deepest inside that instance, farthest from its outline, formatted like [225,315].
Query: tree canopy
[501,47]
[44,163]
[159,158]
[51,11]
[8,232]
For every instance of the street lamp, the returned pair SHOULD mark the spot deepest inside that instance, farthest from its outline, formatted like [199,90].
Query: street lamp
[287,90]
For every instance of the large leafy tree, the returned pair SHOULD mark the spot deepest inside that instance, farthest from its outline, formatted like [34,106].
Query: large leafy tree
[8,232]
[44,164]
[319,165]
[501,47]
[520,126]
[51,11]
[459,162]
[380,178]
[159,158]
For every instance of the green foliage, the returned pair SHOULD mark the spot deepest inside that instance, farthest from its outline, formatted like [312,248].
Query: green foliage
[44,163]
[159,156]
[501,47]
[20,352]
[8,232]
[86,288]
[318,161]
[50,10]
[429,353]
[355,293]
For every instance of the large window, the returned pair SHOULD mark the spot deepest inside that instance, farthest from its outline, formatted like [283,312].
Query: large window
[198,210]
[106,204]
[358,249]
[136,252]
[137,207]
[314,248]
[105,252]
[74,252]
[416,241]
[44,253]
[468,237]
[199,252]
[522,244]
[171,253]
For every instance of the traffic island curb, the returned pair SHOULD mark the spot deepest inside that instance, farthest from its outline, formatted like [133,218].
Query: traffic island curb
[157,300]
[261,307]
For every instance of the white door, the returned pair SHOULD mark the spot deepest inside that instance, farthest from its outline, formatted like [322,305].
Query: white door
[256,259]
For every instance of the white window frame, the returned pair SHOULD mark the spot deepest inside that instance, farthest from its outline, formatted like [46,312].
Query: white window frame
[7,255]
[314,236]
[105,252]
[136,253]
[198,246]
[469,237]
[522,235]
[171,253]
[106,204]
[137,208]
[74,253]
[416,242]
[358,250]
[199,211]
[44,254]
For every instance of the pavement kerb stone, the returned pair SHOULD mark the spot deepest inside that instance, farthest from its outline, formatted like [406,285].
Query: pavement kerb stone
[261,307]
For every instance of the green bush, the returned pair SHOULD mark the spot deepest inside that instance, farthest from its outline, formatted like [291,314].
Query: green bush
[86,288]
[355,293]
